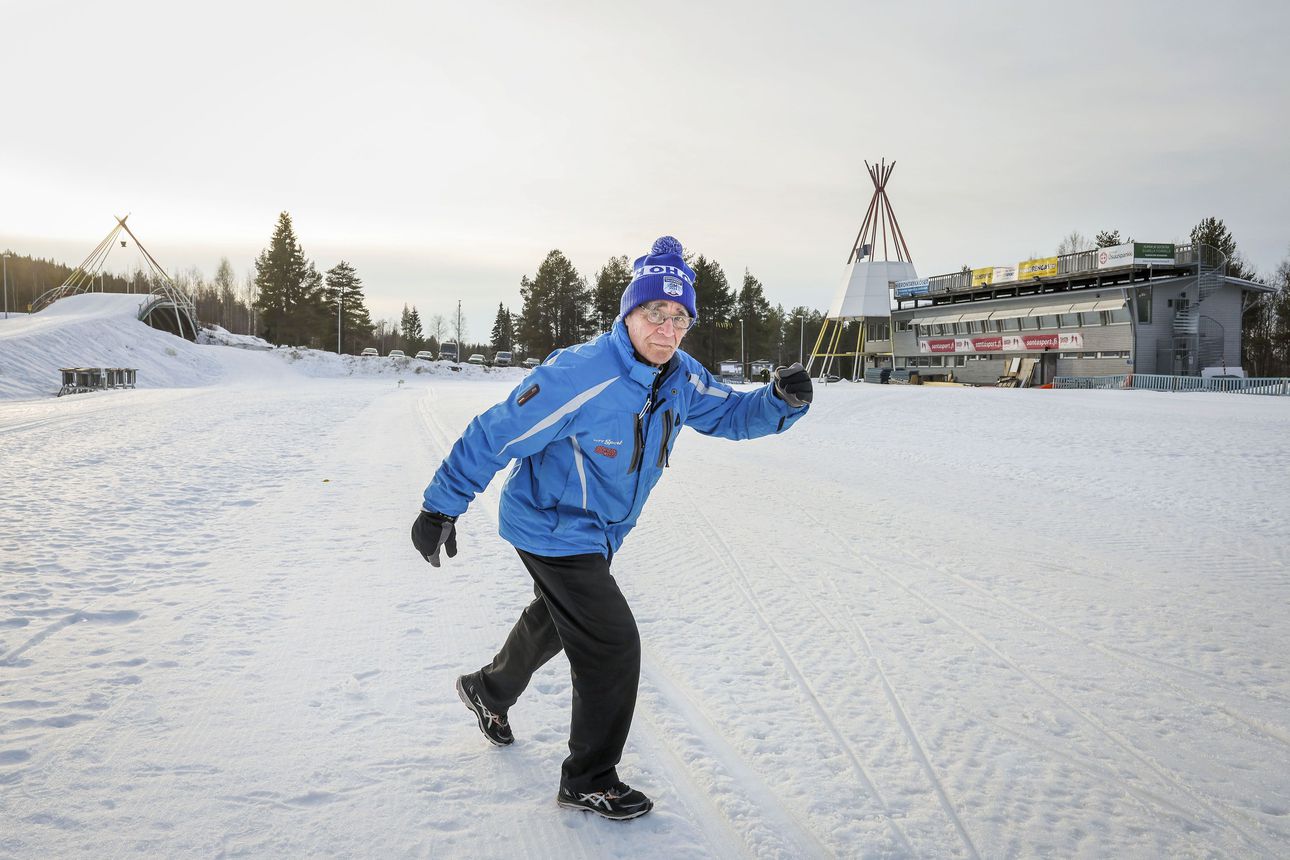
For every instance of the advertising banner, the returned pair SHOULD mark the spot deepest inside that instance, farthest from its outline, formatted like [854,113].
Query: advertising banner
[1003,274]
[983,276]
[936,345]
[1002,343]
[1116,255]
[1157,253]
[1137,254]
[1040,267]
[905,289]
[1030,342]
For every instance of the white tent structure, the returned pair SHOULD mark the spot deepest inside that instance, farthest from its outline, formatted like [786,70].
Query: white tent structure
[865,292]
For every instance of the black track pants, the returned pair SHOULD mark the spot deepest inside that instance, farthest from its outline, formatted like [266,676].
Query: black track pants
[578,609]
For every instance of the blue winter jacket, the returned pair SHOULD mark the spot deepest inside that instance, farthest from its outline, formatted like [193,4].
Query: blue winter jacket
[592,430]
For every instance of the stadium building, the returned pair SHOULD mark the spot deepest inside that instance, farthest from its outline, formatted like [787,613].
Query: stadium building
[1137,307]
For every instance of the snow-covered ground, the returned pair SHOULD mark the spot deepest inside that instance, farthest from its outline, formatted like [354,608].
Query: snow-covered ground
[927,622]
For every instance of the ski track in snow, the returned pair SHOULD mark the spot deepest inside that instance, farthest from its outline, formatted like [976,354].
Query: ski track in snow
[1036,636]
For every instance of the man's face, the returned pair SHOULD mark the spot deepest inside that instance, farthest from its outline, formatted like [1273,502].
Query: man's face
[656,342]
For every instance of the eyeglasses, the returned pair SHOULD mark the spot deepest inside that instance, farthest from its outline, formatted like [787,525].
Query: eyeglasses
[680,322]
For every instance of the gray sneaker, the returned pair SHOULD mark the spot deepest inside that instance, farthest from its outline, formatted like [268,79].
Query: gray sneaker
[618,803]
[494,726]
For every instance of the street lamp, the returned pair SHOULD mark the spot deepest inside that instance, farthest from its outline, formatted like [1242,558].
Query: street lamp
[743,356]
[340,303]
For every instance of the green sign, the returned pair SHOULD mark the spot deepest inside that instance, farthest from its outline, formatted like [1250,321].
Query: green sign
[1147,253]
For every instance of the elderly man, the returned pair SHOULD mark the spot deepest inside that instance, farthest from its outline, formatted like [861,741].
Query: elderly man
[592,431]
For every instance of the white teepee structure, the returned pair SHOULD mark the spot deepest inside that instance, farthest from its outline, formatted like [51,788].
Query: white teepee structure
[170,308]
[865,292]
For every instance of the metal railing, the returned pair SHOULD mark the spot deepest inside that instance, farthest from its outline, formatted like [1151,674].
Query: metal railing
[1274,385]
[1080,262]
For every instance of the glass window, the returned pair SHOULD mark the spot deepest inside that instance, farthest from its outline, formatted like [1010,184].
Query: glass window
[960,360]
[1069,320]
[1012,324]
[1092,317]
[1117,316]
[902,325]
[1048,321]
[1144,304]
[937,361]
[1029,323]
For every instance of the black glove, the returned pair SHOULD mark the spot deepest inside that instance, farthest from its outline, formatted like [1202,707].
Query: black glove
[432,532]
[793,385]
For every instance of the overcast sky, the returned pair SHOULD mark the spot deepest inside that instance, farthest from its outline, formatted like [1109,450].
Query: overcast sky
[443,149]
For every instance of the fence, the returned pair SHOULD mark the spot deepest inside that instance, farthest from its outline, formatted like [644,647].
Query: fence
[1160,382]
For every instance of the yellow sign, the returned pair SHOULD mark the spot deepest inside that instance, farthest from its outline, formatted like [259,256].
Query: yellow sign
[1040,267]
[983,276]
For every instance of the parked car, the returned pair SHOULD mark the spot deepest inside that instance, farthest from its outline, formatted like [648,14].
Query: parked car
[369,351]
[502,359]
[425,355]
[476,358]
[448,352]
[531,363]
[397,353]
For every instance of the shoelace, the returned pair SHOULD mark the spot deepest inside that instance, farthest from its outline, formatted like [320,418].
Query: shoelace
[493,719]
[596,798]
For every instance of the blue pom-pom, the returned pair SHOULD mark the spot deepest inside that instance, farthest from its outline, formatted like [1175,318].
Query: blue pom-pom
[666,245]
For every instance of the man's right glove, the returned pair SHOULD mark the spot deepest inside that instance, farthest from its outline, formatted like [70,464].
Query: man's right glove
[432,532]
[793,385]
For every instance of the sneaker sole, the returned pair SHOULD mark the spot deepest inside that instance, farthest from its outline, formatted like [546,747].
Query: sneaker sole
[479,719]
[578,806]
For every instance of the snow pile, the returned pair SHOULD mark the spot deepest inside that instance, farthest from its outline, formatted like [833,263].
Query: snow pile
[96,330]
[220,336]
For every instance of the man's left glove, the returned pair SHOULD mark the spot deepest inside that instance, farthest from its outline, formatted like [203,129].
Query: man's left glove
[793,385]
[432,532]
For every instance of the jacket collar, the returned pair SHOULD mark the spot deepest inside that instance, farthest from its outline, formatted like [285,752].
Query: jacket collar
[638,370]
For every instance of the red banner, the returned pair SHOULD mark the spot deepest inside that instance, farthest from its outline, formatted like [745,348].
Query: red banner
[987,344]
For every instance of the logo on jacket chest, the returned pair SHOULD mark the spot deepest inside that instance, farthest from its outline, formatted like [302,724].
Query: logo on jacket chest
[607,447]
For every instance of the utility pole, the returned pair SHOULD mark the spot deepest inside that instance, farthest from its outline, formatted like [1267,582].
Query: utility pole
[458,332]
[340,303]
[743,356]
[801,341]
[6,285]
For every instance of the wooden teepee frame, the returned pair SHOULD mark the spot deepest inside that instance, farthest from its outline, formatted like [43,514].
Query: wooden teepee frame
[879,223]
[166,291]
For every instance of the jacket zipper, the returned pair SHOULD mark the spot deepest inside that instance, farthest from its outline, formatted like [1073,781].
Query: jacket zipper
[667,437]
[638,449]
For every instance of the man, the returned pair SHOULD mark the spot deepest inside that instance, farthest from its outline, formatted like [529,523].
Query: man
[592,429]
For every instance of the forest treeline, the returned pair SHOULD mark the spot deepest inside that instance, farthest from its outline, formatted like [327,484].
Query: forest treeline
[287,301]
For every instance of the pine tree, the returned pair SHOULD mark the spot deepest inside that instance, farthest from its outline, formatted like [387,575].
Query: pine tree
[611,281]
[555,311]
[291,306]
[1213,232]
[503,334]
[412,334]
[1109,239]
[344,286]
[752,308]
[716,337]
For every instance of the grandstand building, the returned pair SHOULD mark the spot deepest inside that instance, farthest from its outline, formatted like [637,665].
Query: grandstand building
[1138,307]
